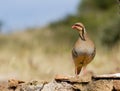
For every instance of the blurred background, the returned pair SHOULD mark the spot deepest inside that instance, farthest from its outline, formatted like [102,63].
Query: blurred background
[36,38]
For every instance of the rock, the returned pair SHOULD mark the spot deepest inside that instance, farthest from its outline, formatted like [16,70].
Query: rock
[100,85]
[13,84]
[116,85]
[32,86]
[56,86]
[107,76]
[109,82]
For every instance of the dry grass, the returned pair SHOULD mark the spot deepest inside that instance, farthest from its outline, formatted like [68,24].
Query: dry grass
[43,60]
[37,65]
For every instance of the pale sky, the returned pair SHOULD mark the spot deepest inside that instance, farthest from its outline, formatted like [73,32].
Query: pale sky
[20,14]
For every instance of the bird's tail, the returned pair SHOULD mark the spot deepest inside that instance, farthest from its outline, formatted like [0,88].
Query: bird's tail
[77,70]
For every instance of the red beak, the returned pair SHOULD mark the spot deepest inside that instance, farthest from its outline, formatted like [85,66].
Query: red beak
[73,27]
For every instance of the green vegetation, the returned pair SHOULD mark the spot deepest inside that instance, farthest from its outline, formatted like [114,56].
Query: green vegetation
[101,19]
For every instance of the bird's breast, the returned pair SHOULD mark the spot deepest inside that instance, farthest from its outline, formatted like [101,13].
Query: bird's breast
[84,47]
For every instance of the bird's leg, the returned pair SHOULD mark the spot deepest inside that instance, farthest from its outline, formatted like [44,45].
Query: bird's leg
[76,72]
[84,70]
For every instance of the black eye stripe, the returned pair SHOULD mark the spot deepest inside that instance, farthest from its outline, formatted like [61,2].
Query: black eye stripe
[77,25]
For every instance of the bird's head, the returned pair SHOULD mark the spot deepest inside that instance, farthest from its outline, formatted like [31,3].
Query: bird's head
[80,28]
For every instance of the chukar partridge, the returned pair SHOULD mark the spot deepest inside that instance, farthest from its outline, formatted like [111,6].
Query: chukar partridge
[84,50]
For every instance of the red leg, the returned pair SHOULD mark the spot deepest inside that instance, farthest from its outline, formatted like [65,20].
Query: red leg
[84,70]
[76,71]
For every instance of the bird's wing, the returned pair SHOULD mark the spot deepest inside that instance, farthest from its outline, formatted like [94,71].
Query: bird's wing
[90,57]
[74,53]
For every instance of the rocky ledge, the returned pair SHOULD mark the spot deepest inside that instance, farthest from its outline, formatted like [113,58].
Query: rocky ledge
[108,82]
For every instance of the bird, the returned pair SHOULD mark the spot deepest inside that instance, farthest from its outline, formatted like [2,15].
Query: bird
[83,50]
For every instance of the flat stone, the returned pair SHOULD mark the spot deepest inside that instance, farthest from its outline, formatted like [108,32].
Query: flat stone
[106,76]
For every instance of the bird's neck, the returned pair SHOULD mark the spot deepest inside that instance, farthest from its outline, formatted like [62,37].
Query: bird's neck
[83,35]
